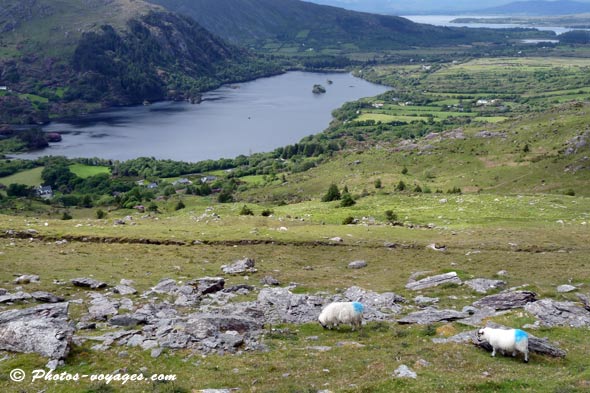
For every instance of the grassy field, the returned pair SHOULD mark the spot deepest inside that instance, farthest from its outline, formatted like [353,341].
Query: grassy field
[84,171]
[483,236]
[30,177]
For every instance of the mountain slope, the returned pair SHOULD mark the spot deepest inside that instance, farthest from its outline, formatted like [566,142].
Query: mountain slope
[58,56]
[309,25]
[536,7]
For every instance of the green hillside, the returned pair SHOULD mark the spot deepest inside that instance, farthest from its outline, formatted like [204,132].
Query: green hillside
[304,26]
[78,56]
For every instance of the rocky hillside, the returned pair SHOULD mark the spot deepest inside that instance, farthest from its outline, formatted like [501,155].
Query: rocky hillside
[59,57]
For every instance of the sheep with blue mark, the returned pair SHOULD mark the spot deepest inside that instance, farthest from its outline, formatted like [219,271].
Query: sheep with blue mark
[338,313]
[506,340]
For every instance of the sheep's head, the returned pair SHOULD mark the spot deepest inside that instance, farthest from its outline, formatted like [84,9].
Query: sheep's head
[481,333]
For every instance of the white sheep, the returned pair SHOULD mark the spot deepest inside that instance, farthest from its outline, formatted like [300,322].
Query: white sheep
[338,313]
[506,340]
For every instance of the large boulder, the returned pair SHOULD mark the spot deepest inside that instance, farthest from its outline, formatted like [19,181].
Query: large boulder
[484,285]
[507,300]
[240,267]
[378,306]
[88,283]
[553,313]
[280,305]
[208,285]
[42,329]
[429,282]
[431,315]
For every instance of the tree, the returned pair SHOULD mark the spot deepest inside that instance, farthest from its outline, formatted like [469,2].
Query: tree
[333,194]
[347,200]
[401,186]
[19,190]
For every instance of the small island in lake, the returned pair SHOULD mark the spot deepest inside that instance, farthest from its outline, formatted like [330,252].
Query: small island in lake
[318,89]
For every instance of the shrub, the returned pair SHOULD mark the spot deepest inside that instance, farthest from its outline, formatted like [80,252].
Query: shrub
[378,183]
[179,205]
[347,200]
[454,190]
[66,216]
[417,188]
[246,211]
[333,194]
[100,214]
[405,171]
[225,196]
[401,186]
[348,220]
[153,207]
[570,192]
[390,216]
[267,213]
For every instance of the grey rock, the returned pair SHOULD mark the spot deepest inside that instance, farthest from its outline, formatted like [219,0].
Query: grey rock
[149,344]
[463,337]
[240,267]
[319,348]
[135,341]
[269,280]
[566,288]
[88,283]
[404,371]
[42,329]
[280,305]
[46,297]
[553,313]
[585,300]
[128,320]
[166,285]
[502,273]
[483,285]
[336,239]
[52,364]
[156,352]
[357,265]
[26,279]
[429,282]
[218,390]
[431,315]
[208,285]
[15,297]
[506,300]
[101,308]
[378,306]
[126,282]
[390,245]
[86,325]
[239,288]
[124,290]
[425,300]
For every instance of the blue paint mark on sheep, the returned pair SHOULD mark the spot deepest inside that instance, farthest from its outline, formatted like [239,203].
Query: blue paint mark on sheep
[358,307]
[520,335]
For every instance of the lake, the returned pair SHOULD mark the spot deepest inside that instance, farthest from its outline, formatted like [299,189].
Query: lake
[245,118]
[445,20]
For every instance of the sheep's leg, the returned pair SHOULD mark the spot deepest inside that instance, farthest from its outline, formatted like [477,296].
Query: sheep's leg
[493,351]
[526,357]
[514,353]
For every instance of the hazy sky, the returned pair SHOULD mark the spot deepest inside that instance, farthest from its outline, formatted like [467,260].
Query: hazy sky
[416,5]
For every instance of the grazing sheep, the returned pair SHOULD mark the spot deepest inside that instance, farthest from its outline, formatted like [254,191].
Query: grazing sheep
[506,340]
[338,313]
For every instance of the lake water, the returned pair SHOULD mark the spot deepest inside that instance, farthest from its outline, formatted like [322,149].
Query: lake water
[445,20]
[245,118]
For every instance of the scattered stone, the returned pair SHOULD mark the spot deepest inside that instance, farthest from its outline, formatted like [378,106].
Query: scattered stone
[101,307]
[149,344]
[123,354]
[390,245]
[429,282]
[86,326]
[26,279]
[128,320]
[437,247]
[425,300]
[357,265]
[336,239]
[217,390]
[319,348]
[46,297]
[14,297]
[207,285]
[240,267]
[566,288]
[124,290]
[269,280]
[156,352]
[42,329]
[553,313]
[166,285]
[404,371]
[483,285]
[585,300]
[127,282]
[378,306]
[463,337]
[88,283]
[502,273]
[431,315]
[420,363]
[352,344]
[507,300]
[239,288]
[280,305]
